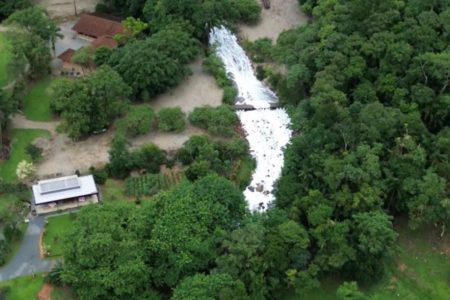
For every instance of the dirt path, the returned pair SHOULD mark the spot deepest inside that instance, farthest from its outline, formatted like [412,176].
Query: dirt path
[65,8]
[19,121]
[198,90]
[283,15]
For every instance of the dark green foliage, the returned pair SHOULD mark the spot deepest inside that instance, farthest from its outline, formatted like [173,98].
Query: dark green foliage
[101,55]
[100,175]
[214,65]
[34,152]
[368,93]
[161,59]
[149,158]
[103,256]
[349,291]
[32,49]
[120,162]
[229,95]
[171,119]
[8,7]
[35,21]
[216,286]
[90,104]
[204,157]
[217,121]
[138,121]
[200,15]
[259,50]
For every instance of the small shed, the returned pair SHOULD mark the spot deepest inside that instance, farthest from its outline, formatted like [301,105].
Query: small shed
[63,193]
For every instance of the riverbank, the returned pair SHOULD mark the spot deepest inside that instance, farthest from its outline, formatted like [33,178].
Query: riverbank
[281,16]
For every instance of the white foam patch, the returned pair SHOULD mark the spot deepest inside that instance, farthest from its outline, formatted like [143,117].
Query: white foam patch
[268,134]
[251,91]
[267,131]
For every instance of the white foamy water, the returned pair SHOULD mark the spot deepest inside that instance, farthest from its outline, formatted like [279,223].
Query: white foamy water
[251,91]
[267,130]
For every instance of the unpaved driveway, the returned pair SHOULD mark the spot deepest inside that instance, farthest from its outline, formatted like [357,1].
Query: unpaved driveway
[283,15]
[19,121]
[65,8]
[198,90]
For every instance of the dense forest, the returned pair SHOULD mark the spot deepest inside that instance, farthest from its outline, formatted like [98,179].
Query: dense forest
[367,86]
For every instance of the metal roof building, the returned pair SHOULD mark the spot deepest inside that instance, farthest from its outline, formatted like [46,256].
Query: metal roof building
[64,193]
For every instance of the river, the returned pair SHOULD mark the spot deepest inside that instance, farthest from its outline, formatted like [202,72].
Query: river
[267,130]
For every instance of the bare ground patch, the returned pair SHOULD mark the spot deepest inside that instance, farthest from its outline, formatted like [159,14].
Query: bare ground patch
[283,15]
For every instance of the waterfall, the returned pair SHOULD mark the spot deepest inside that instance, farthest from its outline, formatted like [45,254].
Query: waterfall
[267,131]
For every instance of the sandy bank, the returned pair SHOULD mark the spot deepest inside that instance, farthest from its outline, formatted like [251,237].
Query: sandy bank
[283,15]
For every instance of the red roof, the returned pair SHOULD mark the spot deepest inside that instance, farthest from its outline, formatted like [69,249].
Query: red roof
[104,40]
[97,25]
[67,55]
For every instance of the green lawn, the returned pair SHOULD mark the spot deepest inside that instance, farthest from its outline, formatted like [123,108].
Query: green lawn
[5,56]
[23,288]
[55,230]
[420,271]
[113,190]
[37,101]
[20,138]
[7,201]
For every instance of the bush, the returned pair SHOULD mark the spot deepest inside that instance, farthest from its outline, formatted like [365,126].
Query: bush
[198,169]
[138,121]
[249,10]
[102,55]
[34,152]
[214,65]
[218,121]
[149,157]
[260,50]
[229,95]
[171,119]
[100,175]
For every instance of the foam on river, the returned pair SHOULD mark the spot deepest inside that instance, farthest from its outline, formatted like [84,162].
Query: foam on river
[267,130]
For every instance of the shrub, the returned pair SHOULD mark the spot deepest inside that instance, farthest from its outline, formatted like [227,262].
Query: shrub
[138,121]
[100,175]
[214,65]
[229,95]
[249,10]
[260,50]
[171,119]
[218,121]
[102,55]
[149,157]
[34,152]
[198,169]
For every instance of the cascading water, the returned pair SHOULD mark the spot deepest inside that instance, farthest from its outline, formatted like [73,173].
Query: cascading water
[267,130]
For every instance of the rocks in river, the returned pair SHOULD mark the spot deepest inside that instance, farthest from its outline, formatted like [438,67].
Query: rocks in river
[259,187]
[251,189]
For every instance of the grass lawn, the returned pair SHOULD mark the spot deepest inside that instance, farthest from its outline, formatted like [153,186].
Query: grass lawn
[113,190]
[24,288]
[420,271]
[55,230]
[37,101]
[20,138]
[5,56]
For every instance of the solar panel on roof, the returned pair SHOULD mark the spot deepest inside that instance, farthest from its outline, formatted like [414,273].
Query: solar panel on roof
[58,185]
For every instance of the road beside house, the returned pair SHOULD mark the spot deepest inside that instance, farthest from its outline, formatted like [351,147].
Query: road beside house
[27,260]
